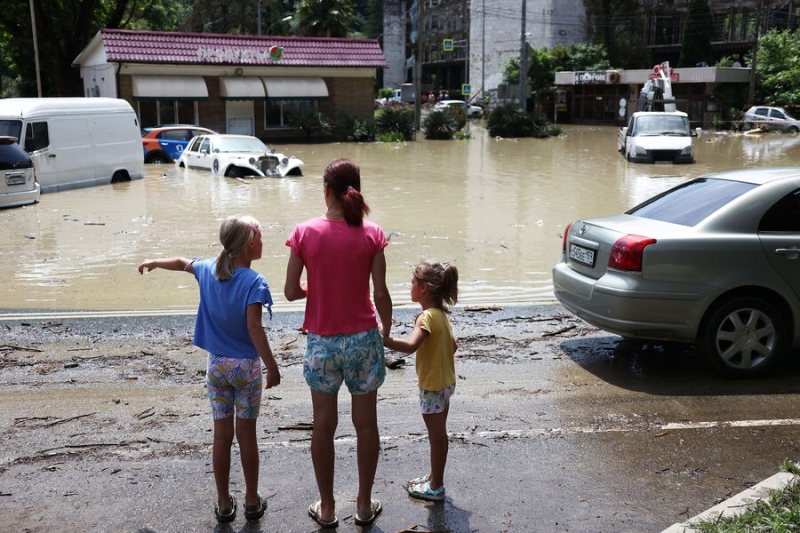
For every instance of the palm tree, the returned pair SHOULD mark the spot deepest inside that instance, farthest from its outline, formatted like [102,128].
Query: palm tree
[324,18]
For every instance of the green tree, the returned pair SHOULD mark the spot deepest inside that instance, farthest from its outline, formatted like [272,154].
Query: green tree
[63,29]
[619,26]
[777,68]
[697,30]
[324,18]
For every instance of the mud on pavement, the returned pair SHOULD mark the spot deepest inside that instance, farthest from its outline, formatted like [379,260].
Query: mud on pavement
[106,427]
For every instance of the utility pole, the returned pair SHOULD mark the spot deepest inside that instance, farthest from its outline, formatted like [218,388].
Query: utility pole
[523,62]
[752,88]
[418,65]
[483,51]
[36,51]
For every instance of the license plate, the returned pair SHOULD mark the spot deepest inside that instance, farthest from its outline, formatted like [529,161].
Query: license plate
[17,179]
[581,255]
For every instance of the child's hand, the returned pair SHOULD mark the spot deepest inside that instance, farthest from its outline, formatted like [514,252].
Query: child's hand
[273,376]
[149,265]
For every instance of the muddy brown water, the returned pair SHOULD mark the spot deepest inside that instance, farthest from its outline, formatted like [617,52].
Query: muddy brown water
[496,207]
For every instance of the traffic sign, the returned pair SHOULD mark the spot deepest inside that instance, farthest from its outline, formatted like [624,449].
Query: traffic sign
[447,45]
[466,89]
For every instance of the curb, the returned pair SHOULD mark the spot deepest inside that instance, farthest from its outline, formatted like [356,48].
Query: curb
[736,504]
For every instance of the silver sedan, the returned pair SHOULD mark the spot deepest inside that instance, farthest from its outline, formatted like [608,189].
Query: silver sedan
[714,261]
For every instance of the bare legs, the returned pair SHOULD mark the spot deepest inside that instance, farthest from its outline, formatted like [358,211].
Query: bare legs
[365,422]
[221,458]
[437,436]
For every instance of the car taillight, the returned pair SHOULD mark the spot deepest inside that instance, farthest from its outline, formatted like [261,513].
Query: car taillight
[627,252]
[564,239]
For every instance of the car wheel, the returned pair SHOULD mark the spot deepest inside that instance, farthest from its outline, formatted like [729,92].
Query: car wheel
[743,337]
[159,159]
[215,166]
[748,126]
[234,172]
[793,129]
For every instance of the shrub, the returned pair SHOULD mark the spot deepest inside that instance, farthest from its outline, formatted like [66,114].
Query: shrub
[440,125]
[396,120]
[510,121]
[347,128]
[391,137]
[310,122]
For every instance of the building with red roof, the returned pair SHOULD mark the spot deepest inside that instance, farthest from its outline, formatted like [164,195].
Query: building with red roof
[232,83]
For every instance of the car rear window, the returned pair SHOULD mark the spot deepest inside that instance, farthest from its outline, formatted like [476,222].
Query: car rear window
[692,202]
[12,156]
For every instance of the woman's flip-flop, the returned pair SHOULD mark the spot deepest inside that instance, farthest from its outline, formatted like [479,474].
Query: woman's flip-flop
[313,512]
[374,511]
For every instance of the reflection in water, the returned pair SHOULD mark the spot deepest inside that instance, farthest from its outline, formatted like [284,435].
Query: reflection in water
[497,207]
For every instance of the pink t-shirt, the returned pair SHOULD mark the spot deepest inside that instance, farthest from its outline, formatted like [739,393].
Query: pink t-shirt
[338,261]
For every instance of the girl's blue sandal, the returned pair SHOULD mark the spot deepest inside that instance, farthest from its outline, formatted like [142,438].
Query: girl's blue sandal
[423,491]
[226,515]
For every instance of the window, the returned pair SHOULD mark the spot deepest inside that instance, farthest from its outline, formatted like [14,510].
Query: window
[784,215]
[692,202]
[36,136]
[278,113]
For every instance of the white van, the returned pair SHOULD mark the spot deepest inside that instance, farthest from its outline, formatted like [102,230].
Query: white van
[76,142]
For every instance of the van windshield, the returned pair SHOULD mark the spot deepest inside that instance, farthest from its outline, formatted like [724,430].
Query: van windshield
[11,128]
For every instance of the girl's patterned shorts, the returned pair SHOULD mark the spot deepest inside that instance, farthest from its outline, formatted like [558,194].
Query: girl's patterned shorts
[432,402]
[234,385]
[356,359]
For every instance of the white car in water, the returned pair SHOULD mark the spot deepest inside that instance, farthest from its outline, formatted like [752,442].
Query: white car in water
[237,156]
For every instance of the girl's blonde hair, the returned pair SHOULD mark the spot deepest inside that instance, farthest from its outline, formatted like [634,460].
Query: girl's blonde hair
[442,282]
[235,234]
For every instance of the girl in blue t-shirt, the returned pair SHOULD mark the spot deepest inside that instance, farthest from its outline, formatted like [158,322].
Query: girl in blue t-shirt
[229,327]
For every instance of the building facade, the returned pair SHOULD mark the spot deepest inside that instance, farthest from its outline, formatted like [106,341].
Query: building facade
[244,84]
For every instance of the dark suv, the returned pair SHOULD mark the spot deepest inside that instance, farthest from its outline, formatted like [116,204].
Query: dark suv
[18,185]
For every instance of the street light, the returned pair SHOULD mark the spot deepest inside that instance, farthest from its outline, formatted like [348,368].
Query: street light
[284,19]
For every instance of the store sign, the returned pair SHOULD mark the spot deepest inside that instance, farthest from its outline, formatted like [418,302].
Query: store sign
[237,55]
[593,77]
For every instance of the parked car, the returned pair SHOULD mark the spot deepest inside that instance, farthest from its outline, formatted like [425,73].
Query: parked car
[164,144]
[713,261]
[472,111]
[237,156]
[771,119]
[18,185]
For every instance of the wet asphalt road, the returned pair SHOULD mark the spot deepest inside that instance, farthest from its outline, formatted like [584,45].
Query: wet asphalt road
[555,427]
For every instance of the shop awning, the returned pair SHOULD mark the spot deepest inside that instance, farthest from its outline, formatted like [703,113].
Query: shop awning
[295,88]
[241,88]
[169,88]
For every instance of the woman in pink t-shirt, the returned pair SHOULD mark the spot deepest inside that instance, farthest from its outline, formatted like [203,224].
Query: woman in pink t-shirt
[340,252]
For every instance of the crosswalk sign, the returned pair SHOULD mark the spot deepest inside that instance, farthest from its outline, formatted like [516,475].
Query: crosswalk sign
[447,45]
[466,89]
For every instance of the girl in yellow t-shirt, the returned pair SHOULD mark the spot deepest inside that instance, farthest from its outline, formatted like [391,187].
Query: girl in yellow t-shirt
[435,287]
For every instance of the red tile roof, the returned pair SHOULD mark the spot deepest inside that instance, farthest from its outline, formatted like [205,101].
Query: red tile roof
[131,46]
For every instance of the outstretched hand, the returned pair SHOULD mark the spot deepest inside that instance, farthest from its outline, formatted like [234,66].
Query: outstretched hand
[148,265]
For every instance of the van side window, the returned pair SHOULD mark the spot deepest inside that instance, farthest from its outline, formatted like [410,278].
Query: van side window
[36,136]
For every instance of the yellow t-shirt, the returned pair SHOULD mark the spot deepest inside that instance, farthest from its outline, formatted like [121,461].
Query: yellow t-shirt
[436,367]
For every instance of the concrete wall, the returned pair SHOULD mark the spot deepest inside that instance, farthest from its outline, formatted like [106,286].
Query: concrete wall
[548,23]
[394,41]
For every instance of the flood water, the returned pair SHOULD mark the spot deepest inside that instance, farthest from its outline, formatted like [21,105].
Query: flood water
[496,207]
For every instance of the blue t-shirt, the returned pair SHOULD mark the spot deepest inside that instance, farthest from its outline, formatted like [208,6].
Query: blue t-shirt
[221,326]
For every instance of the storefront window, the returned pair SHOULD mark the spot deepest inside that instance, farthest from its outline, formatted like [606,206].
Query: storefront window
[157,113]
[279,112]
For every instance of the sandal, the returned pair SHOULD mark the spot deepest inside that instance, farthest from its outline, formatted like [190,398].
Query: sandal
[417,481]
[254,512]
[313,512]
[226,515]
[375,510]
[423,491]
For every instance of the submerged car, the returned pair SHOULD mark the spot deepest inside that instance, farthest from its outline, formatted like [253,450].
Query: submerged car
[657,136]
[770,119]
[18,185]
[164,144]
[237,156]
[471,111]
[713,262]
